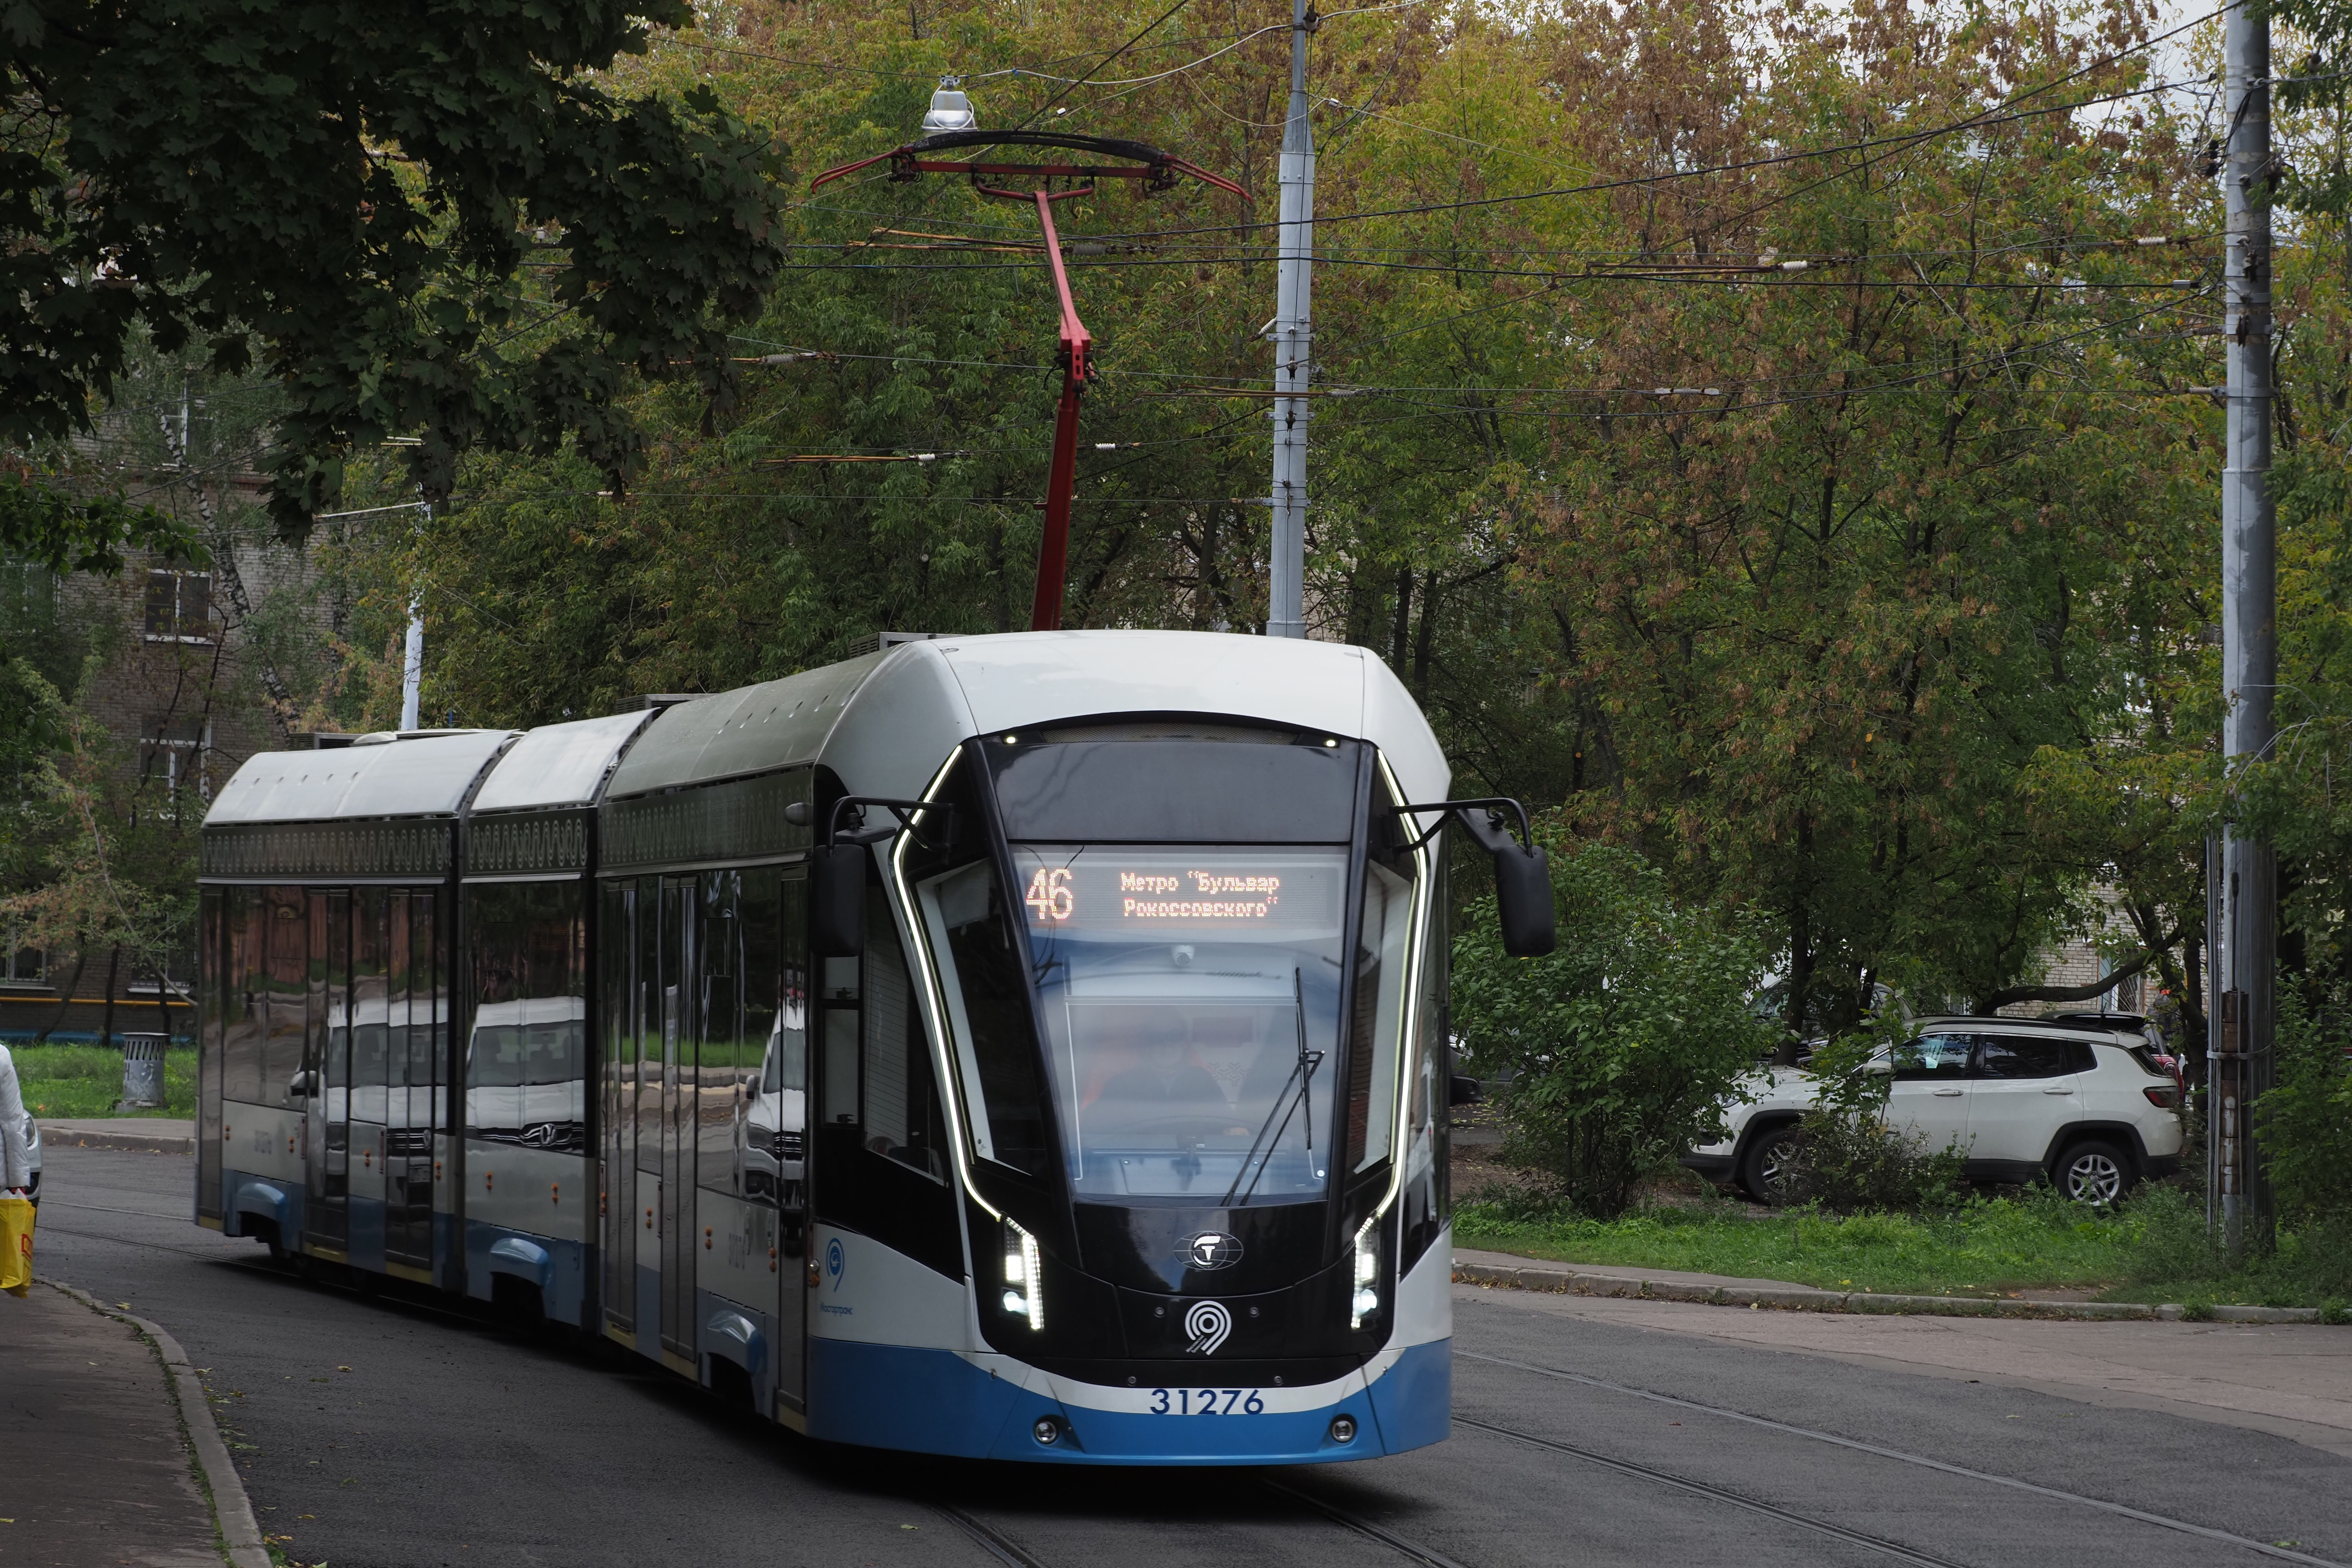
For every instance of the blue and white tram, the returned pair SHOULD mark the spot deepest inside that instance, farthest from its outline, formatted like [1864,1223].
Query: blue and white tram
[1028,1046]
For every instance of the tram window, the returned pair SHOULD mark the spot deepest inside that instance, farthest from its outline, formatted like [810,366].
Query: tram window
[336,1049]
[1191,1001]
[428,1008]
[245,1001]
[1177,782]
[988,1006]
[285,980]
[1425,1198]
[1378,1017]
[615,911]
[646,1010]
[371,1004]
[526,1054]
[901,1105]
[737,1000]
[772,1049]
[213,979]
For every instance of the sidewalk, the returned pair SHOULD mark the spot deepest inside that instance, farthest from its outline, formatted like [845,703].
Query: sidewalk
[159,1134]
[1472,1267]
[96,1469]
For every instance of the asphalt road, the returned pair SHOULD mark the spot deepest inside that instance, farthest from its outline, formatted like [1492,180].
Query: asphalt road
[381,1433]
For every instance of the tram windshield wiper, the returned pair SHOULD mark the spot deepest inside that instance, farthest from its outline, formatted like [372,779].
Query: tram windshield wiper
[1302,1073]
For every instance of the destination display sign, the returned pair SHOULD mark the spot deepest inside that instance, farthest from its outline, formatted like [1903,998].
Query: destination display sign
[1202,891]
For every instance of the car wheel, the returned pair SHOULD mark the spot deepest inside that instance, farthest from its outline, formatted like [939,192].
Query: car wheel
[2094,1172]
[1766,1171]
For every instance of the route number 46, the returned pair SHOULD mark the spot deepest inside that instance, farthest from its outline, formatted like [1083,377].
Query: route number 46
[1049,895]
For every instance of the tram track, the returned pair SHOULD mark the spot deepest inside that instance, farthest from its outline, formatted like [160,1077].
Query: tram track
[988,1538]
[1362,1526]
[2124,1510]
[1893,1548]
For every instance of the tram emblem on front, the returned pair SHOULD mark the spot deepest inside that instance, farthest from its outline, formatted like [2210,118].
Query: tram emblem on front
[1212,1249]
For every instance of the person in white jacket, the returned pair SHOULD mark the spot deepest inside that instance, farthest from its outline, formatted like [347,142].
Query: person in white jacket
[15,1152]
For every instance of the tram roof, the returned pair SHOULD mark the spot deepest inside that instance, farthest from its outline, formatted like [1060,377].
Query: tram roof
[900,711]
[559,764]
[415,774]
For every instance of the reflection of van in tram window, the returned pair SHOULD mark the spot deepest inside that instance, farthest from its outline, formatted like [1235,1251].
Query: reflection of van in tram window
[768,1142]
[525,1074]
[372,1086]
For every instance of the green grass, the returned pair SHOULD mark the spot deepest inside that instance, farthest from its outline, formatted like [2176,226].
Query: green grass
[2153,1249]
[64,1083]
[1983,1250]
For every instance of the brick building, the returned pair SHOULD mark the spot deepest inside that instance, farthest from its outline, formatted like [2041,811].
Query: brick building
[185,690]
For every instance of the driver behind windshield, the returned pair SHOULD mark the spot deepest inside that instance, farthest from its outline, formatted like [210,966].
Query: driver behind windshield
[1165,1079]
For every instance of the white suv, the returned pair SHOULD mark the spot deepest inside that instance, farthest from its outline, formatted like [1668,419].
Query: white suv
[2088,1101]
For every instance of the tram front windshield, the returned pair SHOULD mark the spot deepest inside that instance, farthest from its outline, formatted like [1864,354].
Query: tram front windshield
[1189,999]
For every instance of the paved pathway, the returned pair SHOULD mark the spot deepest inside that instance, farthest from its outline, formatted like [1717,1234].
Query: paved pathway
[2293,1380]
[92,1467]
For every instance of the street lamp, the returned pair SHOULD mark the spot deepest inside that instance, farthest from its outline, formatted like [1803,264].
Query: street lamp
[951,124]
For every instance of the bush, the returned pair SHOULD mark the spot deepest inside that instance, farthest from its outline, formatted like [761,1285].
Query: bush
[1856,1164]
[1845,1159]
[2304,1122]
[1622,1044]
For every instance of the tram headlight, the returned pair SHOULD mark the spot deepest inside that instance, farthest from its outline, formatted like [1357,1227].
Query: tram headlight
[1366,1300]
[1024,1284]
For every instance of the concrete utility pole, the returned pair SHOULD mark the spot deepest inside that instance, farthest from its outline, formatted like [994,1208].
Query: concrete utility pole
[1294,284]
[2245,947]
[412,666]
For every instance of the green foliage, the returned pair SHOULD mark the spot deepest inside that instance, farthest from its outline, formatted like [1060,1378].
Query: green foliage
[1622,1045]
[1979,1247]
[2305,1122]
[67,1082]
[444,221]
[1858,1165]
[2152,1247]
[68,532]
[1844,1157]
[1894,639]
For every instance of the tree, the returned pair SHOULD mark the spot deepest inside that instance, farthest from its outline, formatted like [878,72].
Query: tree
[436,221]
[1623,1044]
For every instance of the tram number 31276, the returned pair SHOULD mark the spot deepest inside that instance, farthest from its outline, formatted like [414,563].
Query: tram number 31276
[1207,1402]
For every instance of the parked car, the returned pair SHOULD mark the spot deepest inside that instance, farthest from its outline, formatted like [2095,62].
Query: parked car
[2090,1103]
[33,1146]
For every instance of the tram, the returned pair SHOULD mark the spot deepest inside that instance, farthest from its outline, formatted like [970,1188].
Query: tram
[1029,1046]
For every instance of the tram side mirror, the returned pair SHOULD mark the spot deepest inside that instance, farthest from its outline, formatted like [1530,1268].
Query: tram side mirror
[837,900]
[1522,886]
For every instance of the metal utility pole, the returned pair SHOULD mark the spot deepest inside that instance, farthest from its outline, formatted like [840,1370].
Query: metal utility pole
[2245,946]
[1292,334]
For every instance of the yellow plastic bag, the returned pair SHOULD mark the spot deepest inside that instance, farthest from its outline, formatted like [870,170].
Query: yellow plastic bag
[17,1245]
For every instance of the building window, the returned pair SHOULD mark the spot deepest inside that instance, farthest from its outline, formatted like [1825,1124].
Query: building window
[179,606]
[176,752]
[21,965]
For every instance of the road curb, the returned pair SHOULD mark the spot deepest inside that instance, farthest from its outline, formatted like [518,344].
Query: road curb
[1805,1299]
[54,1135]
[232,1510]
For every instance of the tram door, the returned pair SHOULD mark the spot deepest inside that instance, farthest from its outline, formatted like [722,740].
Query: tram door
[413,1061]
[623,1024]
[676,1117]
[327,1077]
